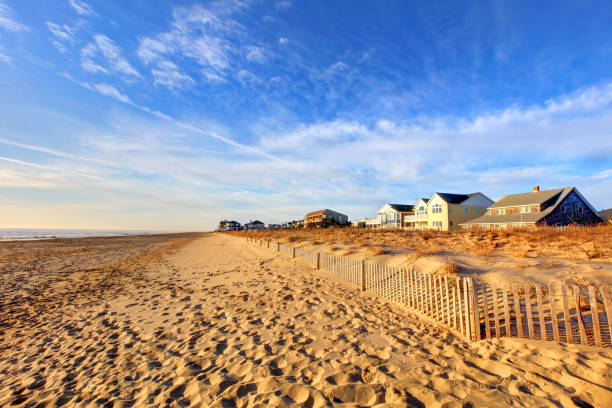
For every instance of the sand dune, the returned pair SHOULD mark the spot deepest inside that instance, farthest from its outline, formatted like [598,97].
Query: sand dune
[216,321]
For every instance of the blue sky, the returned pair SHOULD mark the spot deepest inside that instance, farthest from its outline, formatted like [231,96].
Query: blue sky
[171,115]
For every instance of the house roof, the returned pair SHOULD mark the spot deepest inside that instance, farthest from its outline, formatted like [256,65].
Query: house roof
[255,222]
[532,198]
[558,195]
[402,207]
[454,198]
[326,210]
[607,214]
[310,214]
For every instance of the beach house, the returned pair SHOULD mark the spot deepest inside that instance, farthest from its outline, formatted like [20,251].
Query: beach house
[226,225]
[561,206]
[325,217]
[393,215]
[254,225]
[446,211]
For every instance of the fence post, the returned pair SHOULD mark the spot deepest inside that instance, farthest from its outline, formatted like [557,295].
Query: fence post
[278,247]
[293,252]
[363,276]
[318,260]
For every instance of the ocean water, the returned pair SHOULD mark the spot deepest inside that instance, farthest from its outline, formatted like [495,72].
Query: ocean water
[25,234]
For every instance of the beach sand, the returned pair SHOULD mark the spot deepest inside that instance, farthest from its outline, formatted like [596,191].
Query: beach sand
[185,320]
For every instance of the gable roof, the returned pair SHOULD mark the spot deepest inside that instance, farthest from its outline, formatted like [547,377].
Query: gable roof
[558,195]
[319,212]
[532,198]
[453,198]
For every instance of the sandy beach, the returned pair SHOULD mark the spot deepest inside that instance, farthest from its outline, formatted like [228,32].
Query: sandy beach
[208,320]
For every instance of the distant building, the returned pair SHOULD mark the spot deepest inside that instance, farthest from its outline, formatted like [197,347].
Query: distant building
[359,224]
[607,214]
[273,226]
[226,225]
[372,223]
[393,215]
[561,206]
[325,217]
[254,225]
[445,211]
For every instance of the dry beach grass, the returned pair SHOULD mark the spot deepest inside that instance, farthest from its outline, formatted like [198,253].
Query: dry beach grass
[212,321]
[574,255]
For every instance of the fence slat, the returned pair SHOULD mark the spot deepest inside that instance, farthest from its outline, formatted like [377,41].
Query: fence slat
[507,312]
[608,308]
[540,307]
[583,336]
[448,313]
[466,308]
[496,320]
[595,316]
[569,335]
[553,312]
[529,310]
[485,305]
[517,310]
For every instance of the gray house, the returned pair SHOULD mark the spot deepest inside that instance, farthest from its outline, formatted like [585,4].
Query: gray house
[561,206]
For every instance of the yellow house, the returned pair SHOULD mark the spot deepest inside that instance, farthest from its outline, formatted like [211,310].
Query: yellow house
[445,211]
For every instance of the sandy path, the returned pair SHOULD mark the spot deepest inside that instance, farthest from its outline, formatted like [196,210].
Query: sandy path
[224,323]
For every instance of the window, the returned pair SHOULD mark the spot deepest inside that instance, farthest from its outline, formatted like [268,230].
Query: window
[525,209]
[451,223]
[467,210]
[563,209]
[436,209]
[501,211]
[478,211]
[580,210]
[450,210]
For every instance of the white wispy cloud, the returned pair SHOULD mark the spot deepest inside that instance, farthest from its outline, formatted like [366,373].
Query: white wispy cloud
[168,74]
[283,41]
[248,79]
[59,46]
[255,54]
[108,90]
[7,20]
[63,32]
[111,56]
[82,8]
[208,37]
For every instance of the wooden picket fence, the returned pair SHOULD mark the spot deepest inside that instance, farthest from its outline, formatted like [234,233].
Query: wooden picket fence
[475,309]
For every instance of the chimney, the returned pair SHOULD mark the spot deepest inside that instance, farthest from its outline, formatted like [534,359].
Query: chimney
[536,189]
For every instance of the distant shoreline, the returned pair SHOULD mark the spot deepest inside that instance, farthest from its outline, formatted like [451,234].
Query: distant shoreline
[40,234]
